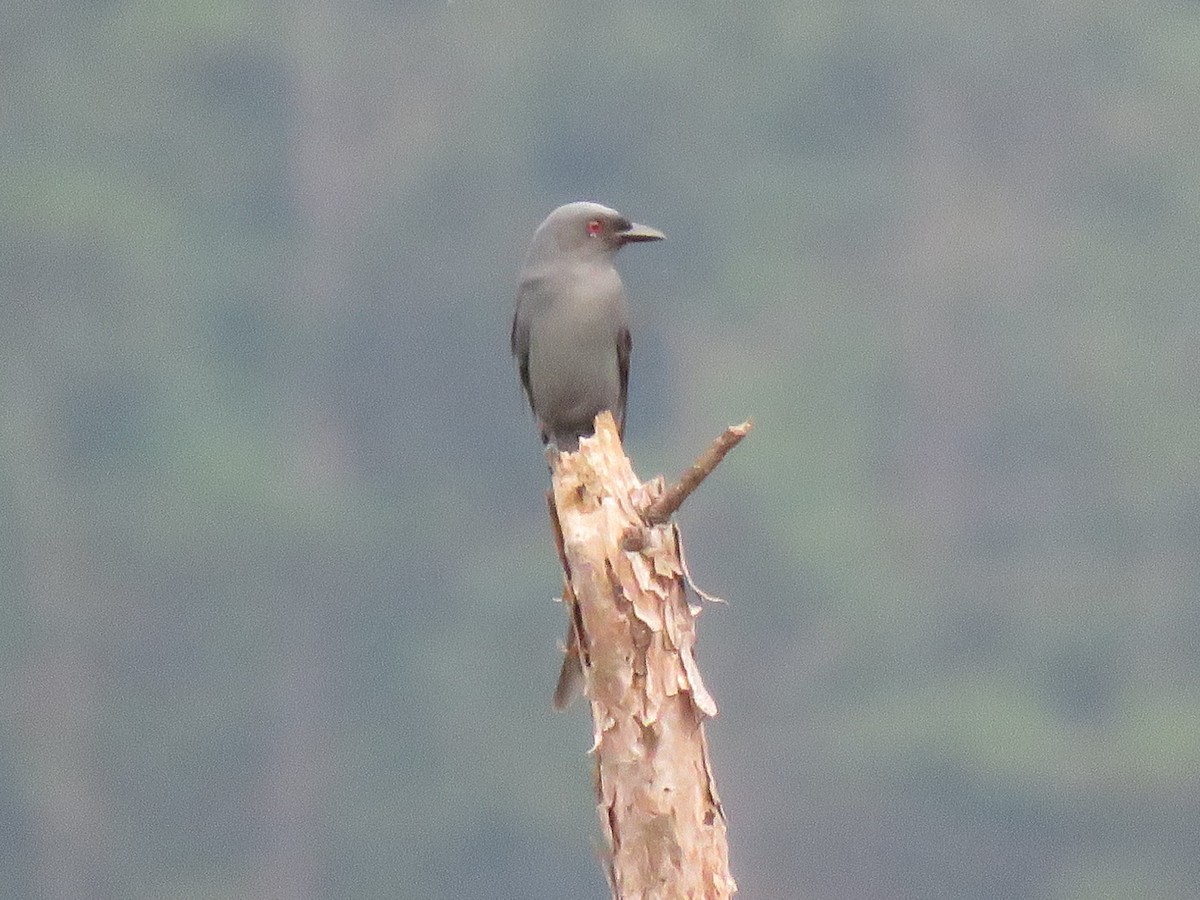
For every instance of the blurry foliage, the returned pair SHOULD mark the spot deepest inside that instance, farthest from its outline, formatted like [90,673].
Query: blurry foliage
[269,484]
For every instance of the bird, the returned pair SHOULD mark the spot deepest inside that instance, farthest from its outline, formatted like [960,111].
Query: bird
[570,328]
[571,341]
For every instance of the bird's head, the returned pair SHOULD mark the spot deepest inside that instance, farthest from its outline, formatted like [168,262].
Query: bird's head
[587,229]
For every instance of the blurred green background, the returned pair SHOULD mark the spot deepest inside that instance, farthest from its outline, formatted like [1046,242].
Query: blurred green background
[275,571]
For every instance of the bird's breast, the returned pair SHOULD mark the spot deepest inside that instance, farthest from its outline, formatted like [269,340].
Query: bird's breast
[573,366]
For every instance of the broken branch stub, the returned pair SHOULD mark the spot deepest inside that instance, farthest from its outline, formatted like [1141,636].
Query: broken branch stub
[635,634]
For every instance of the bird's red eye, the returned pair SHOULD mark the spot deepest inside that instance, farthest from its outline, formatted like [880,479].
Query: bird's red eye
[594,227]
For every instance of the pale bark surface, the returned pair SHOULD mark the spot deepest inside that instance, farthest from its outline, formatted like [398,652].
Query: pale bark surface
[635,633]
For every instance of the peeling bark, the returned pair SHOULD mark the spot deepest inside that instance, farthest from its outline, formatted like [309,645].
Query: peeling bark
[634,634]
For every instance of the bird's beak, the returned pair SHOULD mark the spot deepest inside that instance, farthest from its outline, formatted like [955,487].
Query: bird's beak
[636,233]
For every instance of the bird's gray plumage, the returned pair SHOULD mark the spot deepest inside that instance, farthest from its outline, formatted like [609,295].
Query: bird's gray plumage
[570,329]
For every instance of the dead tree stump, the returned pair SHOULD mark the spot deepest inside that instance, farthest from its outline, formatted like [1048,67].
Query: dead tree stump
[633,632]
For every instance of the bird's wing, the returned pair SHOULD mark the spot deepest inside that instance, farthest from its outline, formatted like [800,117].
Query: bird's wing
[519,341]
[624,350]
